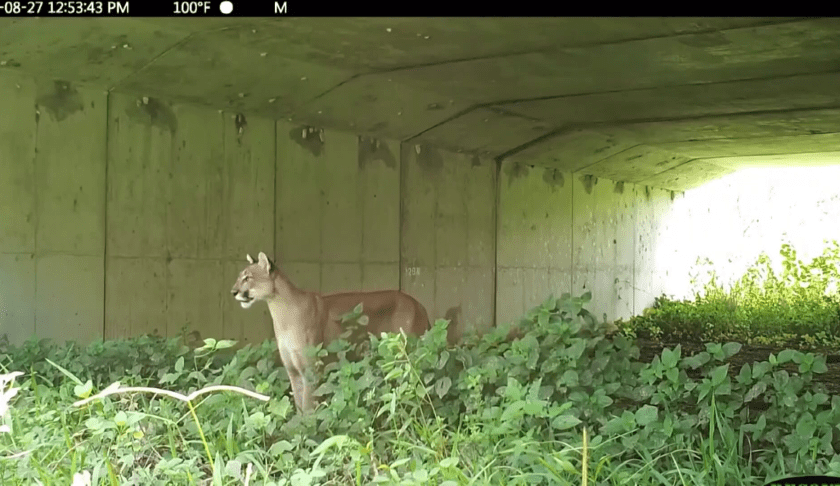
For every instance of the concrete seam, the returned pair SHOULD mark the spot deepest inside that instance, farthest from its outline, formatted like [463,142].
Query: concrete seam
[624,123]
[37,217]
[161,54]
[401,191]
[173,144]
[572,258]
[105,217]
[446,120]
[497,199]
[588,166]
[635,256]
[274,238]
[538,50]
[512,101]
[361,187]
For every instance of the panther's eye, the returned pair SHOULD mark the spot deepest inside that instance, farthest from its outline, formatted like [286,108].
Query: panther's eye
[246,278]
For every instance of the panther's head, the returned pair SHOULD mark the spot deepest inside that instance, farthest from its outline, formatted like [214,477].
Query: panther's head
[255,281]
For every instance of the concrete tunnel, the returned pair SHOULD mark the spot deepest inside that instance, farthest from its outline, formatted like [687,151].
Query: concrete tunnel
[479,164]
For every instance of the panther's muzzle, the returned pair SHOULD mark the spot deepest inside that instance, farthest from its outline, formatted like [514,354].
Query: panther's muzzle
[245,300]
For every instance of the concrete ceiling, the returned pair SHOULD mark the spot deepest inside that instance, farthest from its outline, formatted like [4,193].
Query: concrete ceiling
[666,102]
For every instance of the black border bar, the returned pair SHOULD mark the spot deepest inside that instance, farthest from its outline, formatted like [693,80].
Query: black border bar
[281,8]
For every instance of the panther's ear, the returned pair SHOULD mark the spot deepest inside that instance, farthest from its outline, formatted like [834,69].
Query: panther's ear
[265,263]
[249,258]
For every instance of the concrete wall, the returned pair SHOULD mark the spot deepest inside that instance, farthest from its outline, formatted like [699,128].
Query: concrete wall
[560,232]
[448,221]
[124,215]
[52,202]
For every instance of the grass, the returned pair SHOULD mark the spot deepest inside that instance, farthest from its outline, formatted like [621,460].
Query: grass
[566,404]
[797,305]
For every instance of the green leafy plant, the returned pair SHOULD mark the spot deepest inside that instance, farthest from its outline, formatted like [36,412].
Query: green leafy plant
[566,403]
[799,306]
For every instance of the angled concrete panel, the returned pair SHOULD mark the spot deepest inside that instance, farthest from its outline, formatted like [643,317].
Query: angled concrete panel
[693,101]
[535,217]
[337,206]
[420,175]
[441,225]
[687,176]
[451,214]
[379,178]
[624,250]
[803,160]
[135,296]
[635,164]
[652,207]
[480,193]
[342,219]
[140,148]
[501,130]
[743,126]
[69,298]
[17,296]
[769,51]
[306,276]
[380,276]
[375,105]
[478,299]
[585,228]
[573,150]
[300,153]
[249,166]
[70,169]
[535,237]
[420,172]
[603,245]
[87,51]
[196,211]
[17,164]
[227,65]
[341,277]
[509,295]
[755,146]
[196,292]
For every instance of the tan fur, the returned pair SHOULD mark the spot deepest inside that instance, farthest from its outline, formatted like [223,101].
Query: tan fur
[303,319]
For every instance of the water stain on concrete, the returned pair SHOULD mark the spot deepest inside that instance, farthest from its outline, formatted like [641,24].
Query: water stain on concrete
[429,159]
[588,182]
[554,178]
[310,138]
[515,171]
[476,161]
[61,101]
[240,123]
[153,112]
[619,188]
[371,150]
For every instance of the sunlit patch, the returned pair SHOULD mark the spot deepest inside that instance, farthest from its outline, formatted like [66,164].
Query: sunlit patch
[751,211]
